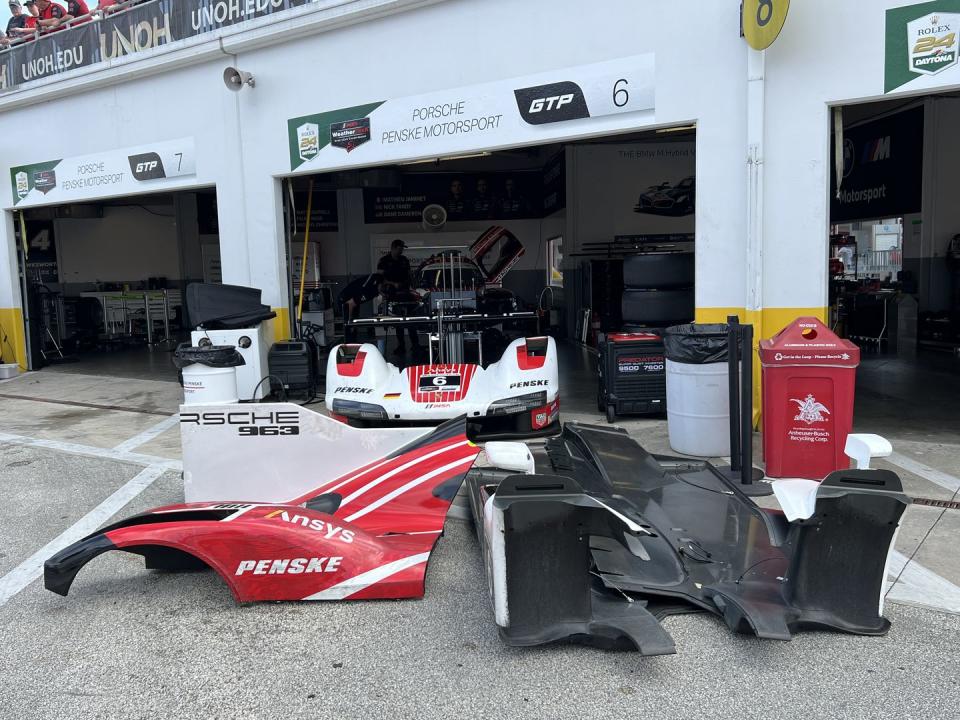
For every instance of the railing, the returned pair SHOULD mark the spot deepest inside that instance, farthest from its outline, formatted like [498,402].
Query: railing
[120,30]
[25,36]
[879,263]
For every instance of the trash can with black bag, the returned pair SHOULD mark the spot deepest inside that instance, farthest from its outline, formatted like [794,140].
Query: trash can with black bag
[208,373]
[698,395]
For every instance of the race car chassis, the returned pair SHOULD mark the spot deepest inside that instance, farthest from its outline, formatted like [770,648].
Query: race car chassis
[614,540]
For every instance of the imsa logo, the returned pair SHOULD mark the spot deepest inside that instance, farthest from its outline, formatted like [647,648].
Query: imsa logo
[556,102]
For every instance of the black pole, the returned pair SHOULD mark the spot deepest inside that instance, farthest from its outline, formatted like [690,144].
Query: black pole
[746,404]
[733,325]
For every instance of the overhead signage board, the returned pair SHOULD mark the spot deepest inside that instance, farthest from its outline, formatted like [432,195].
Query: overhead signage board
[762,21]
[882,169]
[110,173]
[922,40]
[525,110]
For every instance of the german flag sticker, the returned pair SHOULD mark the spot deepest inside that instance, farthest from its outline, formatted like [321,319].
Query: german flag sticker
[391,396]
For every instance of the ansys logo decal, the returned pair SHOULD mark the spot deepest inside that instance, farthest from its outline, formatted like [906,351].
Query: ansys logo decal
[349,134]
[146,166]
[932,41]
[556,102]
[810,411]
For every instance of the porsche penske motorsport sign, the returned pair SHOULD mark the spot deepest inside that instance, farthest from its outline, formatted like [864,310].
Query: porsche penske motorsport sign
[115,172]
[532,109]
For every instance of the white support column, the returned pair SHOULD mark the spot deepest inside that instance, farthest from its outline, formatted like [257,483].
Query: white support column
[755,130]
[13,341]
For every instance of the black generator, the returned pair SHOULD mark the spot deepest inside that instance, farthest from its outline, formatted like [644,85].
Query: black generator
[632,374]
[292,364]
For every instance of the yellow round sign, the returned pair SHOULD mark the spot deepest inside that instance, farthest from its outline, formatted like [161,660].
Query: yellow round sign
[762,21]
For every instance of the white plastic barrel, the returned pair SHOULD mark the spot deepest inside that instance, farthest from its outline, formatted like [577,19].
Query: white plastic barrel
[204,385]
[698,408]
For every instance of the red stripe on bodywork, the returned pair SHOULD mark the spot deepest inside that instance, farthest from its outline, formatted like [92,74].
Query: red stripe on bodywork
[526,361]
[352,367]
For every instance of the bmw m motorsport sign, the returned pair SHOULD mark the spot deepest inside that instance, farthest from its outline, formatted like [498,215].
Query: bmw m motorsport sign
[115,172]
[560,104]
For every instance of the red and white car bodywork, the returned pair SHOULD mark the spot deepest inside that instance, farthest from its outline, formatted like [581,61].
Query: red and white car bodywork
[364,535]
[517,396]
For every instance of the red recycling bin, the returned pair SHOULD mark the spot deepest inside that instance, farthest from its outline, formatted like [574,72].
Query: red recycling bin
[809,376]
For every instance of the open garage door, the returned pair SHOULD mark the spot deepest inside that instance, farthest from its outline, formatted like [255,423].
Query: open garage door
[569,223]
[103,282]
[894,256]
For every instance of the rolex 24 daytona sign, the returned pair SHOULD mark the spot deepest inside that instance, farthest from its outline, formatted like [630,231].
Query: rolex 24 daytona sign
[922,40]
[932,42]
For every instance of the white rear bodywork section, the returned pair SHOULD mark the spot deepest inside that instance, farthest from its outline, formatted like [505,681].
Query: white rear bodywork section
[410,394]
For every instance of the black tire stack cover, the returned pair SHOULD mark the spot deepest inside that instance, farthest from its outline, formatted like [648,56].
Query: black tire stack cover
[658,290]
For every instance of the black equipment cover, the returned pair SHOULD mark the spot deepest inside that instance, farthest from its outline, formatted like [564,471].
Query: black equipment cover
[225,307]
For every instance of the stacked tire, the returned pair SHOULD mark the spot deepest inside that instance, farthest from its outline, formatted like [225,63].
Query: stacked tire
[658,290]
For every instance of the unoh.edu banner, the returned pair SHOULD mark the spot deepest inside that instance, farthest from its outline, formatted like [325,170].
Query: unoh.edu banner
[143,27]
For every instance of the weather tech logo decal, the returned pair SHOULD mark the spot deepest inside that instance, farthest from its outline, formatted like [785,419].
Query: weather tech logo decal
[350,133]
[556,102]
[45,180]
[146,166]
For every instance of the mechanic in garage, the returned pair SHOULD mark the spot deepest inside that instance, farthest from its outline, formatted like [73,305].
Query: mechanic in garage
[395,269]
[355,294]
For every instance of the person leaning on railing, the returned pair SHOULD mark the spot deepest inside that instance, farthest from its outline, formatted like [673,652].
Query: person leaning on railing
[20,25]
[23,25]
[106,7]
[77,12]
[51,15]
[16,21]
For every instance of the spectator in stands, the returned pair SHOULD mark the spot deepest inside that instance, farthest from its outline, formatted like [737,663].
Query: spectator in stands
[50,16]
[17,20]
[76,9]
[30,20]
[105,7]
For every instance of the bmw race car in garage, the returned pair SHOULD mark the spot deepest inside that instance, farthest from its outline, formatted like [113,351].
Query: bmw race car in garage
[667,199]
[517,396]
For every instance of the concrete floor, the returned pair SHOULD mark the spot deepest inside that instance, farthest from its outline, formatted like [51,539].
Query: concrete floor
[77,450]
